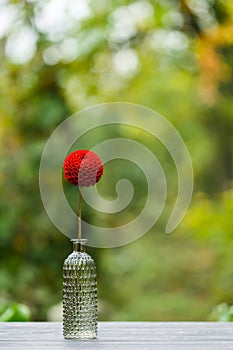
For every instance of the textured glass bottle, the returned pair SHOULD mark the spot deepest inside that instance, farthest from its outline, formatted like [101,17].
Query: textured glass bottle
[79,294]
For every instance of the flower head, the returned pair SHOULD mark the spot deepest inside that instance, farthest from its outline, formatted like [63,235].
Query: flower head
[83,168]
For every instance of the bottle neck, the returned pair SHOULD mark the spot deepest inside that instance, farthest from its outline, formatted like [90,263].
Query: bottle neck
[79,245]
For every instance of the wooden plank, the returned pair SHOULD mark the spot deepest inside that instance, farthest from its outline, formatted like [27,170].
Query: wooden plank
[121,335]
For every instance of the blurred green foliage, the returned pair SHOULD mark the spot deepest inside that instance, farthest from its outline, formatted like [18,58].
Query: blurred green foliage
[172,56]
[14,312]
[222,313]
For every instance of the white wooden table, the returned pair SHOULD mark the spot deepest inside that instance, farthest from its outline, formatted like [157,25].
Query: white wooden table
[120,335]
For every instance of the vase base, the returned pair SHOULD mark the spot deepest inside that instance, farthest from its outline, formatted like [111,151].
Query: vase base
[82,336]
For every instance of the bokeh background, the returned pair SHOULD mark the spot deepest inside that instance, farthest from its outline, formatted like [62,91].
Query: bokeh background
[176,57]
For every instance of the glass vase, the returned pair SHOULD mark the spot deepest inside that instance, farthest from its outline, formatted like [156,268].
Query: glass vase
[79,294]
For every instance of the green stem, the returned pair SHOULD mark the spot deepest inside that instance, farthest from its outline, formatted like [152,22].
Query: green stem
[79,215]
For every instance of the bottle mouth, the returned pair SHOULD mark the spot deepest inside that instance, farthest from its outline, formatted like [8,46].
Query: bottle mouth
[79,245]
[81,241]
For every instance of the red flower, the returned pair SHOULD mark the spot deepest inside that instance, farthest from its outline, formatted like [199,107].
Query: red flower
[83,168]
